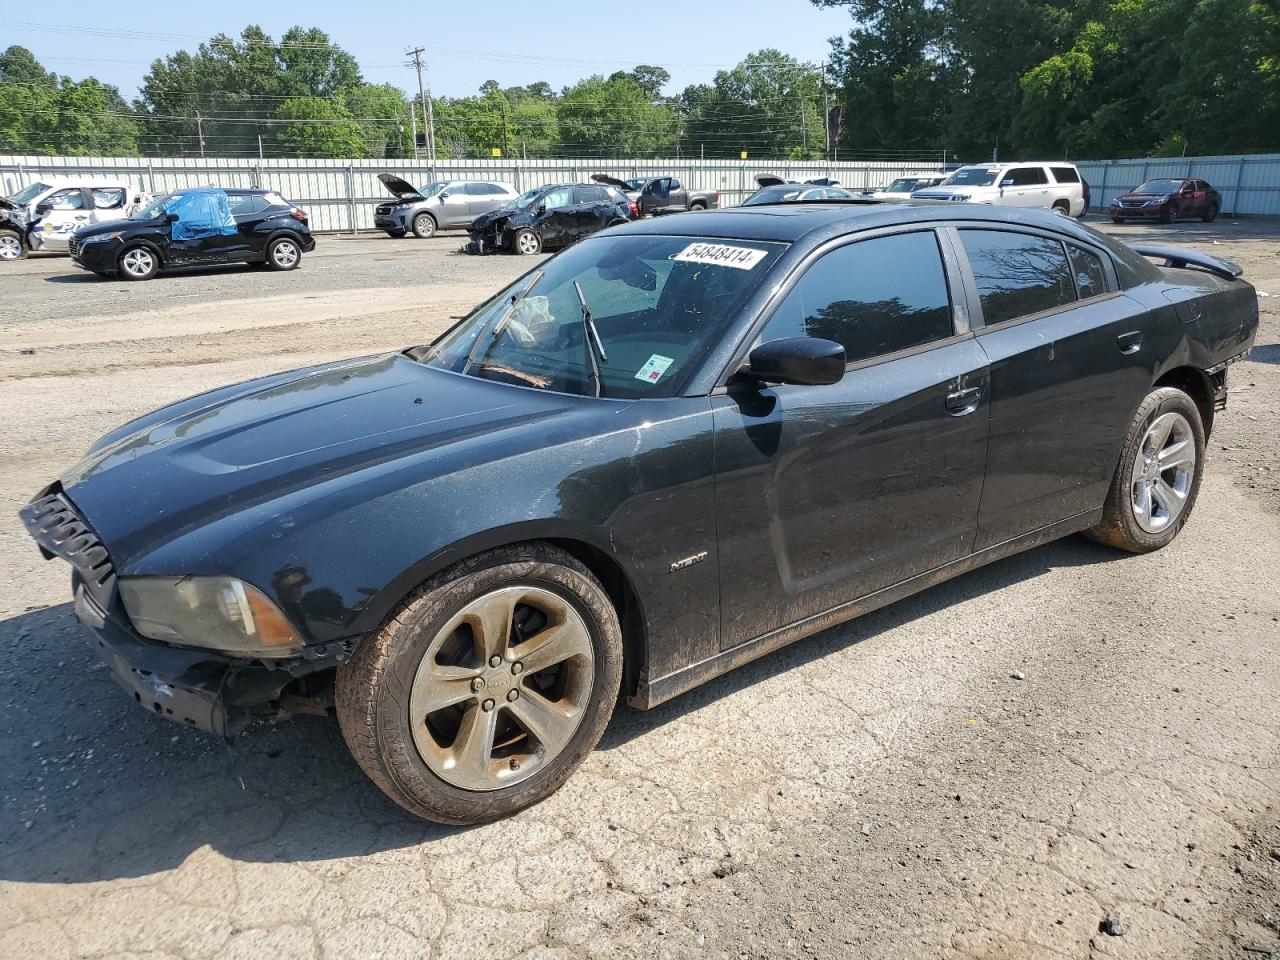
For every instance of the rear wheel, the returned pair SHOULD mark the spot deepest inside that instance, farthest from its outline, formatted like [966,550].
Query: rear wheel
[1062,208]
[11,245]
[526,242]
[137,263]
[487,688]
[283,253]
[1158,476]
[1210,215]
[424,226]
[697,205]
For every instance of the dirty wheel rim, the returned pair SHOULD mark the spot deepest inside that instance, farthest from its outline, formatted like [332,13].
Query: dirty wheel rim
[502,688]
[285,254]
[10,248]
[138,263]
[527,242]
[1163,472]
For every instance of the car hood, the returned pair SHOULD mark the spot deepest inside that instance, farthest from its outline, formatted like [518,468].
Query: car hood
[1144,196]
[110,226]
[191,463]
[7,204]
[399,188]
[520,215]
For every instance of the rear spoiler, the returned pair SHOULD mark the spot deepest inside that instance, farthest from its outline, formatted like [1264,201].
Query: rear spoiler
[1185,257]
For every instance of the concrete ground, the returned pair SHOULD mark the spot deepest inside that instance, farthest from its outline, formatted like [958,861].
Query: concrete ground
[986,770]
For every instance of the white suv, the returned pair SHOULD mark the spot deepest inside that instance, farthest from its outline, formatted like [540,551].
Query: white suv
[1049,186]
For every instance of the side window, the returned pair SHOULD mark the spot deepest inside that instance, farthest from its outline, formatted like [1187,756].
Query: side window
[874,297]
[1091,279]
[675,184]
[1024,177]
[71,199]
[1017,273]
[1065,174]
[557,199]
[590,195]
[108,198]
[491,189]
[240,204]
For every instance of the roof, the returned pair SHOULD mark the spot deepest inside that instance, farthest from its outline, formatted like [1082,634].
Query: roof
[820,220]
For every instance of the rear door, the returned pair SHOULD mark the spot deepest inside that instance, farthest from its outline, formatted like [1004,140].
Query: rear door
[483,197]
[455,206]
[590,209]
[825,494]
[1071,357]
[108,204]
[1026,187]
[250,212]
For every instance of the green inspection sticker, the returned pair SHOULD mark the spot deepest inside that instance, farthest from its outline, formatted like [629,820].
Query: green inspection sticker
[654,368]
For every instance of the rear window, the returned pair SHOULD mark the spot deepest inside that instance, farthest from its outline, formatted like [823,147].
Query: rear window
[1065,174]
[1018,274]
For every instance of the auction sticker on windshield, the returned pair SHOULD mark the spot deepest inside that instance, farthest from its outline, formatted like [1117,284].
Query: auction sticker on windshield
[654,368]
[721,255]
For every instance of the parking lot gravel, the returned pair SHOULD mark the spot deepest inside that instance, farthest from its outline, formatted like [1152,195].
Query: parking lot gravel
[1070,753]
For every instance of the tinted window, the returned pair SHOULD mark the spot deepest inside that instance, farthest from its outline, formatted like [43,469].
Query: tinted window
[242,203]
[675,184]
[1024,177]
[1091,279]
[874,297]
[591,195]
[108,198]
[1065,174]
[1017,274]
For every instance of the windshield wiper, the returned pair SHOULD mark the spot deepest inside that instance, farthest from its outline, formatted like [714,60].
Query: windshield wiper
[502,321]
[591,340]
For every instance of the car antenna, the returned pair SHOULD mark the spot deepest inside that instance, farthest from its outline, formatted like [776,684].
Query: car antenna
[591,338]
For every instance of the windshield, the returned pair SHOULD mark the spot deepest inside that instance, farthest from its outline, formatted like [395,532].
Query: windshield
[972,177]
[780,192]
[659,303]
[431,189]
[156,209]
[27,194]
[1160,186]
[902,185]
[526,198]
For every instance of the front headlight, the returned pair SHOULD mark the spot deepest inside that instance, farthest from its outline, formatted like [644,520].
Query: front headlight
[961,197]
[215,613]
[1155,203]
[101,237]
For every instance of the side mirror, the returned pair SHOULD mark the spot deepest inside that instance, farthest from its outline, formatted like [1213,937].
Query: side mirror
[807,361]
[43,207]
[444,194]
[170,218]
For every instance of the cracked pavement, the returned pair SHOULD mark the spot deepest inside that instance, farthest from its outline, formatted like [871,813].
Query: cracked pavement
[984,770]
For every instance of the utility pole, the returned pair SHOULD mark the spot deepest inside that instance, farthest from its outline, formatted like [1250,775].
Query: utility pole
[413,123]
[259,146]
[427,113]
[200,131]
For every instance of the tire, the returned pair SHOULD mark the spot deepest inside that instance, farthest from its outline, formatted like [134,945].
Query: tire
[1124,525]
[11,246]
[284,253]
[1062,208]
[395,234]
[697,205]
[137,263]
[526,242]
[1210,215]
[424,226]
[396,673]
[1169,214]
[1117,219]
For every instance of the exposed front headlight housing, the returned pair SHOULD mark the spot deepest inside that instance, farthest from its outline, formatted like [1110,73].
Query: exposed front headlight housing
[100,237]
[214,613]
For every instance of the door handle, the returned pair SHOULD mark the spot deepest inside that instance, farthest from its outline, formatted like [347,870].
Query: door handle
[966,400]
[1130,342]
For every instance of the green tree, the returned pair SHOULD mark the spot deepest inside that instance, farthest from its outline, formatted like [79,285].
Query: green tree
[41,112]
[612,118]
[317,127]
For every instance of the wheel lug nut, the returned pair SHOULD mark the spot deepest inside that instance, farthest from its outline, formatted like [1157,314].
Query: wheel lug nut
[512,695]
[477,685]
[517,668]
[495,661]
[487,706]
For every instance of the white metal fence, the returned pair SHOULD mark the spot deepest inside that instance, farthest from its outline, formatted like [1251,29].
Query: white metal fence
[341,194]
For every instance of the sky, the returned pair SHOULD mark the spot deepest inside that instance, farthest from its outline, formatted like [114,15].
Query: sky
[515,43]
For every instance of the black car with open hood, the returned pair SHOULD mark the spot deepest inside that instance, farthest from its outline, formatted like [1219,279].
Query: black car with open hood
[550,216]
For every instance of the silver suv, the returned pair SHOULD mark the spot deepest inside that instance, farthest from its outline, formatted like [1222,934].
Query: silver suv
[1051,186]
[444,203]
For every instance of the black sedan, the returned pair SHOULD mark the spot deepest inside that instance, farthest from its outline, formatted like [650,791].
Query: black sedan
[673,448]
[551,216]
[230,226]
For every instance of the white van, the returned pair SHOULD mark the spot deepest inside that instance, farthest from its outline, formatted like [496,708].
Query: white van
[1048,186]
[44,214]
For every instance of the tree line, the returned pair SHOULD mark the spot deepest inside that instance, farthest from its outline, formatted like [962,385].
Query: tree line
[912,79]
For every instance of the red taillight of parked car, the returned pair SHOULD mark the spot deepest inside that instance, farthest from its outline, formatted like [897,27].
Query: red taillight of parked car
[635,209]
[716,197]
[298,214]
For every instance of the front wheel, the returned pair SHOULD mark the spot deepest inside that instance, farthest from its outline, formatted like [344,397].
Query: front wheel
[11,245]
[424,226]
[1210,215]
[1158,476]
[487,687]
[283,253]
[526,242]
[137,263]
[1115,219]
[396,234]
[1169,214]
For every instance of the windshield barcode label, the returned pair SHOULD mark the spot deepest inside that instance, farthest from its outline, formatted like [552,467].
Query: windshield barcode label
[720,255]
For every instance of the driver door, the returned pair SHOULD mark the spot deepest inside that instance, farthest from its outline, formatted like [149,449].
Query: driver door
[63,213]
[556,224]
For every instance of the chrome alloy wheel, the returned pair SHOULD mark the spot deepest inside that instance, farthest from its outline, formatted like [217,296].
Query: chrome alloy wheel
[10,248]
[138,262]
[1163,472]
[527,243]
[502,688]
[285,253]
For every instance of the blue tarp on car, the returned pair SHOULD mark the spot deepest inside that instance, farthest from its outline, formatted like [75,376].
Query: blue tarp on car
[201,213]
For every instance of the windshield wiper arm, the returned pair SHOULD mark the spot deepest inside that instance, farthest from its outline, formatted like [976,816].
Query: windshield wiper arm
[591,340]
[502,321]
